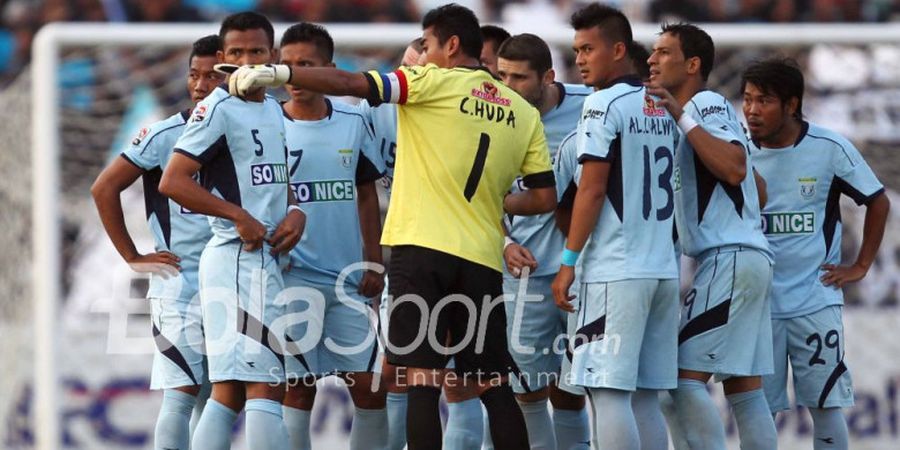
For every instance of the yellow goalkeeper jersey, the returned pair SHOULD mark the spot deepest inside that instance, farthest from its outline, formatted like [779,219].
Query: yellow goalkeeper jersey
[462,139]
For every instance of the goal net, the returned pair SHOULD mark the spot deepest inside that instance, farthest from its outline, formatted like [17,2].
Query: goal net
[74,344]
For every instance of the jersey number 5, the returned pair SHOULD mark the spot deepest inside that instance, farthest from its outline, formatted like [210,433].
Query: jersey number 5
[477,167]
[258,151]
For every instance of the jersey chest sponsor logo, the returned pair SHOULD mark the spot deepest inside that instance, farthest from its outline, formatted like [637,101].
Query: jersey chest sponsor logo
[324,191]
[807,187]
[261,174]
[592,114]
[140,136]
[650,108]
[789,223]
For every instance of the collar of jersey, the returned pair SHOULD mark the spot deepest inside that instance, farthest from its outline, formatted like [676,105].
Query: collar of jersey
[804,128]
[327,116]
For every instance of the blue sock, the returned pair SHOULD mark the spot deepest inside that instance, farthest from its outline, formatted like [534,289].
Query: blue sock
[754,420]
[202,397]
[573,429]
[214,429]
[368,429]
[541,434]
[297,423]
[615,425]
[829,429]
[265,425]
[698,416]
[667,405]
[650,422]
[396,411]
[173,425]
[465,425]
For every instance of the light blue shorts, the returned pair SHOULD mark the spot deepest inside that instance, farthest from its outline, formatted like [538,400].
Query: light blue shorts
[179,358]
[725,319]
[242,314]
[329,333]
[814,346]
[536,331]
[627,335]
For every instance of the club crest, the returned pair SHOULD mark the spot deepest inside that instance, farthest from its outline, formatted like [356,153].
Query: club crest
[807,187]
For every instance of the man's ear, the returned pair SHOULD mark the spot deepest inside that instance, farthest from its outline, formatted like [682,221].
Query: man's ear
[549,76]
[791,106]
[694,64]
[451,47]
[220,56]
[274,57]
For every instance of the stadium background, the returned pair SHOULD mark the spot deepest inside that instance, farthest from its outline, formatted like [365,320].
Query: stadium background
[109,92]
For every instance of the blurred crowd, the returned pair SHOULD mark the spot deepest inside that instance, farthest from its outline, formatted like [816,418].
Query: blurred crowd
[20,19]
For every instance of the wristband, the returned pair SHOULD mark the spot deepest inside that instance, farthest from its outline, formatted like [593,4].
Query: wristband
[507,241]
[569,257]
[687,123]
[292,207]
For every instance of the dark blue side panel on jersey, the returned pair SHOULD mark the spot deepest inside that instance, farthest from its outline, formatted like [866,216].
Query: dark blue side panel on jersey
[832,213]
[706,185]
[220,174]
[614,187]
[366,172]
[156,203]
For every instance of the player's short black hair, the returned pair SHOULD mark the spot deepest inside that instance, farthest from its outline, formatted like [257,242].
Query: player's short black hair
[527,47]
[455,20]
[247,20]
[205,46]
[694,42]
[612,23]
[495,34]
[777,76]
[639,56]
[310,33]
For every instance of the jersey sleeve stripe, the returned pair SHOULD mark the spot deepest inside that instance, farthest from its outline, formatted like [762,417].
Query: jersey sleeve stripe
[402,85]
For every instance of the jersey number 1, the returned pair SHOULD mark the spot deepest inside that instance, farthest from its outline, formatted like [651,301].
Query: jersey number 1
[477,167]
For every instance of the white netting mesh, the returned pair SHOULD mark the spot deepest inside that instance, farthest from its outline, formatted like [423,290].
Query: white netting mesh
[109,91]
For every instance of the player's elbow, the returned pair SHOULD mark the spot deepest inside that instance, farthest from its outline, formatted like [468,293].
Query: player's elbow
[168,184]
[736,175]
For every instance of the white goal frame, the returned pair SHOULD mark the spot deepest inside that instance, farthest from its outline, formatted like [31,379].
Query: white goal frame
[45,151]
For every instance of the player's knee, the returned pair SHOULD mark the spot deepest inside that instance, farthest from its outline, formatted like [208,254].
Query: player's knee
[364,392]
[536,396]
[702,377]
[190,390]
[736,385]
[300,396]
[563,400]
[267,391]
[229,393]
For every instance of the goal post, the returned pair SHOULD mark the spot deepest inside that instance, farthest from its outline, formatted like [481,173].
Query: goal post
[52,39]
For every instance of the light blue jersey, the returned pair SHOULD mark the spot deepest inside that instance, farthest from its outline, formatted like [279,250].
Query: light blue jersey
[243,154]
[802,218]
[539,233]
[326,162]
[382,119]
[174,228]
[564,168]
[633,236]
[709,212]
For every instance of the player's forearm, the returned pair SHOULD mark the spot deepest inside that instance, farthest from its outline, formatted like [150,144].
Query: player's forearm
[873,230]
[370,222]
[331,81]
[109,207]
[531,201]
[187,193]
[727,161]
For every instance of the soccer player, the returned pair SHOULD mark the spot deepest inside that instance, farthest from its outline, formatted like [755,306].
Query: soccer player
[625,345]
[383,121]
[239,145]
[179,235]
[334,183]
[807,168]
[492,37]
[462,140]
[534,327]
[725,328]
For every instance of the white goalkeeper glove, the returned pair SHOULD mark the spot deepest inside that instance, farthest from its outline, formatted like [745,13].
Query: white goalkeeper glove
[247,78]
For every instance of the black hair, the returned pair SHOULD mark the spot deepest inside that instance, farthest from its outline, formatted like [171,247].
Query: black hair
[310,33]
[495,34]
[639,56]
[778,76]
[527,47]
[455,20]
[205,46]
[612,23]
[694,42]
[247,20]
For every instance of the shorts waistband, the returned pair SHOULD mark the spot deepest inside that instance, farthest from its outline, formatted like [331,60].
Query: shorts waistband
[724,249]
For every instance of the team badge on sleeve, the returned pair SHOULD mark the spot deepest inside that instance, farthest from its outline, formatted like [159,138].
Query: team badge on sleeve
[650,108]
[199,114]
[140,137]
